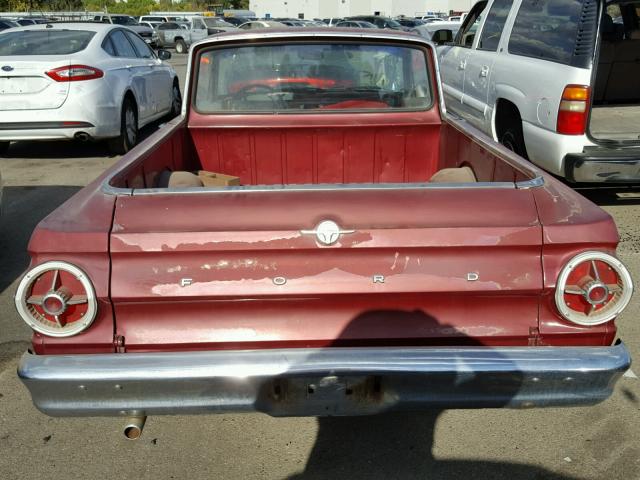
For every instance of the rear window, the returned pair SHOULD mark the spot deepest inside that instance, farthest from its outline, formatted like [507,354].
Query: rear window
[548,29]
[44,42]
[312,77]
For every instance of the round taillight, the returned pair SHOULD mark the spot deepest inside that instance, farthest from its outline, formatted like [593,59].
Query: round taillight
[56,299]
[593,288]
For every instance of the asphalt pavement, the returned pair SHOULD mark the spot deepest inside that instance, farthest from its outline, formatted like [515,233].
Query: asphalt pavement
[600,442]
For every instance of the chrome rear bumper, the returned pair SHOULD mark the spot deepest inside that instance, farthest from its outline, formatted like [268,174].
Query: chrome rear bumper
[604,166]
[329,381]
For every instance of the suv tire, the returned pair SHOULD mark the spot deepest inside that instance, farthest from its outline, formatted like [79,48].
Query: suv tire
[512,139]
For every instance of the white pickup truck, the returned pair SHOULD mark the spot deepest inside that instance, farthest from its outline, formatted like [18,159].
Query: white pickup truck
[170,35]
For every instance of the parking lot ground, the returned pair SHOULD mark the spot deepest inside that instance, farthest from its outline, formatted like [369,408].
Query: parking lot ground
[600,442]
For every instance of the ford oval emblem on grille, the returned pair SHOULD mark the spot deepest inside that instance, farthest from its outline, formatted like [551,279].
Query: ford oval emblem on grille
[7,68]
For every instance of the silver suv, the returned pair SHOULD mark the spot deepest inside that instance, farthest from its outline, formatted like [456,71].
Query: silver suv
[557,81]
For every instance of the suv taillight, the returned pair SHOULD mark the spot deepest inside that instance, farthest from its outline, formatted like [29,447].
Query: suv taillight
[574,110]
[593,288]
[74,73]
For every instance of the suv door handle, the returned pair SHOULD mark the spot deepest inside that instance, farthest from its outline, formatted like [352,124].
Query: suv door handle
[462,65]
[484,71]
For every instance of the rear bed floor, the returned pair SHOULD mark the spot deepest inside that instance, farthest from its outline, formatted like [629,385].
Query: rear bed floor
[615,122]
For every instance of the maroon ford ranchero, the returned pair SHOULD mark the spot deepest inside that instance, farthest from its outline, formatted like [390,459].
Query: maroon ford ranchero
[316,236]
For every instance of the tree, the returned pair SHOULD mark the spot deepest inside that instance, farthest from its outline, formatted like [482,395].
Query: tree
[237,4]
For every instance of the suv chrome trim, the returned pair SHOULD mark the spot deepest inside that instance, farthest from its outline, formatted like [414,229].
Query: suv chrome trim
[349,381]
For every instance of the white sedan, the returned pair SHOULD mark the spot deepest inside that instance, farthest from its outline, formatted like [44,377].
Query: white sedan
[87,81]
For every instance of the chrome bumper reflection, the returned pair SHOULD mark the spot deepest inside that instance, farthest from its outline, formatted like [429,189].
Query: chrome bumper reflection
[594,166]
[330,381]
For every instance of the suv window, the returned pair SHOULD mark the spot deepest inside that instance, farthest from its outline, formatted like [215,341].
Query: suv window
[121,45]
[467,33]
[546,29]
[493,25]
[142,49]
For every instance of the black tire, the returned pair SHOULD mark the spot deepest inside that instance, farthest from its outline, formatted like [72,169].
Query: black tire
[128,129]
[513,139]
[176,100]
[4,147]
[181,47]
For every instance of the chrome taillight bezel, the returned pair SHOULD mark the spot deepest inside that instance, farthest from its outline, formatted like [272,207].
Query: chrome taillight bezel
[613,308]
[26,310]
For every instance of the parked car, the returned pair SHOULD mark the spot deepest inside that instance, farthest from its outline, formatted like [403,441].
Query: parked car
[210,25]
[410,22]
[159,18]
[84,81]
[331,22]
[553,83]
[261,24]
[171,35]
[149,35]
[380,22]
[439,32]
[355,24]
[237,21]
[312,23]
[342,248]
[6,24]
[152,25]
[31,21]
[289,22]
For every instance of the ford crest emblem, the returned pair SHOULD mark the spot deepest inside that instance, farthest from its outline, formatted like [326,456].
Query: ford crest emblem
[327,232]
[7,68]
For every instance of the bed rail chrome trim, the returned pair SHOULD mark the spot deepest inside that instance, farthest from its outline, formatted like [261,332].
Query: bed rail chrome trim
[281,382]
[319,187]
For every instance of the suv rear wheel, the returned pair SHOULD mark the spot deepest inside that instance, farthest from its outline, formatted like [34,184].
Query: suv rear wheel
[512,139]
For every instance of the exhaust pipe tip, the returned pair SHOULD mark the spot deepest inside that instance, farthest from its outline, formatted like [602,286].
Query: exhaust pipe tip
[82,136]
[133,428]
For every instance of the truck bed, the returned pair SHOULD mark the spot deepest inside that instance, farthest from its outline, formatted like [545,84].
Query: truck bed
[287,153]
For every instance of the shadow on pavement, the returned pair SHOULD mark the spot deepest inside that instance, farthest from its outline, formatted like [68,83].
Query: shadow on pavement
[399,444]
[61,149]
[69,148]
[23,208]
[611,196]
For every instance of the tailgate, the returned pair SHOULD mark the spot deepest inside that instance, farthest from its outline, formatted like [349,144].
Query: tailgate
[415,266]
[25,86]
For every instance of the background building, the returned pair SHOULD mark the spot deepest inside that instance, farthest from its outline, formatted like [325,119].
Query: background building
[345,8]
